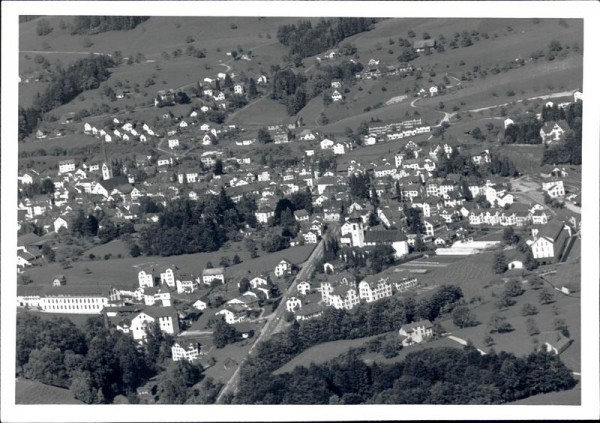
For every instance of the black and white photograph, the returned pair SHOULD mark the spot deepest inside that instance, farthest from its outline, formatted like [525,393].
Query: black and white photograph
[299,203]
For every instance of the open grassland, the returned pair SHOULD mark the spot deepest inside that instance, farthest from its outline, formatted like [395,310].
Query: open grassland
[472,274]
[570,397]
[79,320]
[519,341]
[32,392]
[321,353]
[122,273]
[66,141]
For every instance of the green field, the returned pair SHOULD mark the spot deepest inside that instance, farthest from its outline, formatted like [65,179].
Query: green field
[322,352]
[570,397]
[31,392]
[122,273]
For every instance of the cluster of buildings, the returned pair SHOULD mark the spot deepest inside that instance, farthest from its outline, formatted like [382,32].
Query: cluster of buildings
[342,291]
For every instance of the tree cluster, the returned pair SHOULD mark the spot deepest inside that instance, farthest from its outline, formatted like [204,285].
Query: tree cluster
[98,24]
[94,363]
[187,226]
[525,130]
[66,84]
[433,376]
[305,40]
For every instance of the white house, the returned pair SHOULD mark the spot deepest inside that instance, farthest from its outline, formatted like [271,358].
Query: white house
[303,287]
[173,143]
[372,289]
[146,277]
[283,267]
[507,122]
[554,189]
[165,317]
[59,222]
[215,274]
[186,283]
[293,304]
[65,166]
[186,350]
[336,96]
[327,144]
[416,332]
[433,90]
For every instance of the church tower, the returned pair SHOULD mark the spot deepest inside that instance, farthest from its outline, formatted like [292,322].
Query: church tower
[357,232]
[107,172]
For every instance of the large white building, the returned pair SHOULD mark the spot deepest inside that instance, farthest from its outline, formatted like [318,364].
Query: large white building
[165,317]
[67,299]
[373,289]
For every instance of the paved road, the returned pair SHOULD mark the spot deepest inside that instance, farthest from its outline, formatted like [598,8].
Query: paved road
[195,332]
[275,320]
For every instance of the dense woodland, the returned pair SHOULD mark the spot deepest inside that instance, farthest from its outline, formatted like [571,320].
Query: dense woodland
[187,226]
[432,376]
[97,24]
[97,364]
[570,151]
[377,318]
[66,84]
[304,39]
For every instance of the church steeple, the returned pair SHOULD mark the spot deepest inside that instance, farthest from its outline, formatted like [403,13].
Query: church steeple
[107,172]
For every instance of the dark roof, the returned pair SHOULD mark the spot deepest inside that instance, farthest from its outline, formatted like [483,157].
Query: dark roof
[384,236]
[112,183]
[156,312]
[64,290]
[411,326]
[551,230]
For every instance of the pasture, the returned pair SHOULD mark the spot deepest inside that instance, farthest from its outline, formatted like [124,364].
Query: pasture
[32,392]
[122,272]
[321,353]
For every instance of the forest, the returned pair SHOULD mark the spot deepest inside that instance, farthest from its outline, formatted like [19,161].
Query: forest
[433,376]
[570,151]
[385,315]
[187,226]
[304,39]
[97,364]
[295,90]
[98,24]
[66,84]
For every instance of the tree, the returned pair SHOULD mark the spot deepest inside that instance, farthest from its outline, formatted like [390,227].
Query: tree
[477,134]
[499,324]
[536,282]
[419,244]
[500,263]
[532,328]
[218,167]
[545,296]
[135,251]
[529,310]
[236,259]
[252,90]
[488,341]
[244,285]
[382,256]
[264,137]
[530,262]
[91,226]
[508,235]
[463,318]
[43,28]
[224,334]
[513,289]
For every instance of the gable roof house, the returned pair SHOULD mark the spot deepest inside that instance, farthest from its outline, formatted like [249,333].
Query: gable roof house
[416,332]
[550,242]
